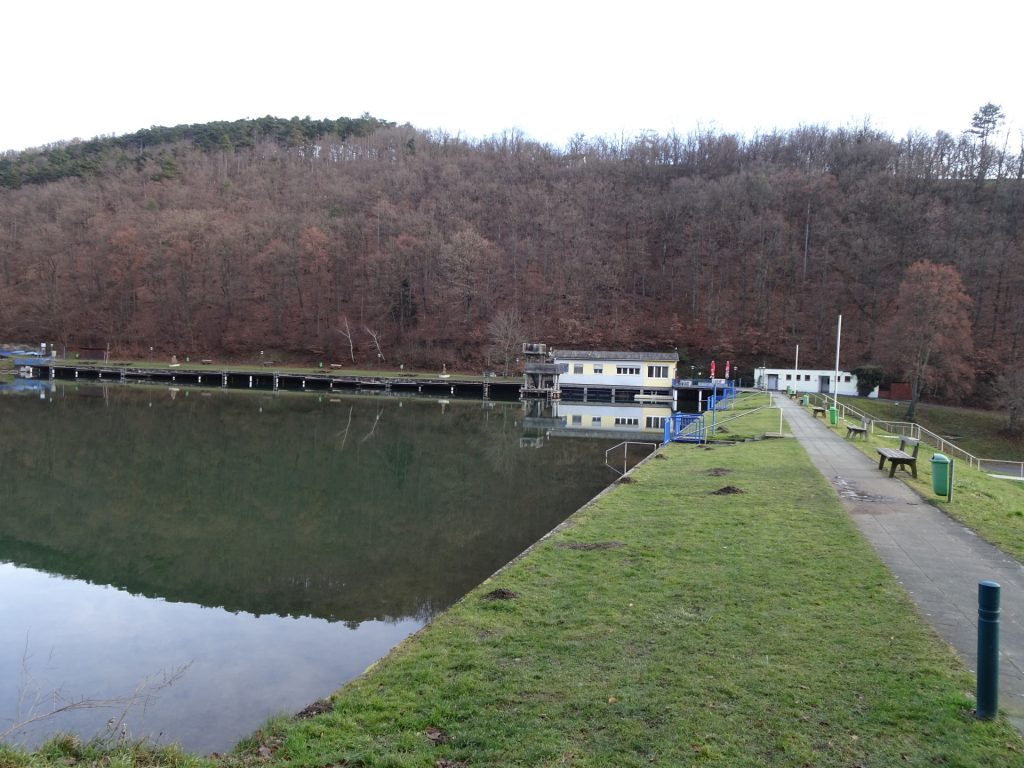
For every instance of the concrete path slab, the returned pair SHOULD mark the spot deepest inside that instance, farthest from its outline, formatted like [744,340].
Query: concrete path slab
[936,559]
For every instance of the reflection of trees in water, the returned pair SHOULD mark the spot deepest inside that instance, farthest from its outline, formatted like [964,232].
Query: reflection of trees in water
[503,453]
[284,504]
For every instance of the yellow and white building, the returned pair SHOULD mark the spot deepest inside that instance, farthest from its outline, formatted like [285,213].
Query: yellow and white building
[615,377]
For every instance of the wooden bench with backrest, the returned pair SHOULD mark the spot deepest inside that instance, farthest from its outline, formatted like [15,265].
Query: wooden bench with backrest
[899,457]
[852,430]
[819,410]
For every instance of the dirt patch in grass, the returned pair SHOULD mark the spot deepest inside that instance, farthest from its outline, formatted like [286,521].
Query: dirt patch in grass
[501,594]
[587,546]
[314,709]
[437,736]
[625,479]
[727,491]
[718,471]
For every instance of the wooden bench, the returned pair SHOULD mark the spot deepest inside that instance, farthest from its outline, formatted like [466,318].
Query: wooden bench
[852,430]
[819,410]
[899,457]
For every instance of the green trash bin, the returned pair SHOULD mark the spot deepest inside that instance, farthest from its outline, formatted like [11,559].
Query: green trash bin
[833,415]
[942,475]
[805,400]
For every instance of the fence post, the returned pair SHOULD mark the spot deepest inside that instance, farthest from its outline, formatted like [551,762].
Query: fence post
[988,650]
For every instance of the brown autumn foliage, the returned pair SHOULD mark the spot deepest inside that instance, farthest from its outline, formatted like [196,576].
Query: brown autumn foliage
[927,337]
[719,245]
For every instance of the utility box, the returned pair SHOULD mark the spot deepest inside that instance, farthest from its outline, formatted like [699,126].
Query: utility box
[942,475]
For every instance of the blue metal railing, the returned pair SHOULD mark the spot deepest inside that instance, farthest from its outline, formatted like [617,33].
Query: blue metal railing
[684,428]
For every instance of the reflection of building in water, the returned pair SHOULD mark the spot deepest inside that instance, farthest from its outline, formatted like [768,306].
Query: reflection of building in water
[602,420]
[609,419]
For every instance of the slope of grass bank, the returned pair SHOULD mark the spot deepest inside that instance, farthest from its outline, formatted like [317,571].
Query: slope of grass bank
[719,609]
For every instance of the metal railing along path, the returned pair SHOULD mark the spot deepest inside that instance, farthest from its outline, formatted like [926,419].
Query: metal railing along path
[925,435]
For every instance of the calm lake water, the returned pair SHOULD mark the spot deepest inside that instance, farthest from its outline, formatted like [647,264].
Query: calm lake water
[220,557]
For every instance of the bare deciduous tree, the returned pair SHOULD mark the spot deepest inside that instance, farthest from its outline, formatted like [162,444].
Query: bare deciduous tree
[375,343]
[506,332]
[347,333]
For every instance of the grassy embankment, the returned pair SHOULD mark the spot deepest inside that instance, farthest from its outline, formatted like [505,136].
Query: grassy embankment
[976,431]
[670,622]
[751,416]
[992,508]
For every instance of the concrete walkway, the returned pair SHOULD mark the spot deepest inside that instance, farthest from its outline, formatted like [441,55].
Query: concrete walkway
[936,559]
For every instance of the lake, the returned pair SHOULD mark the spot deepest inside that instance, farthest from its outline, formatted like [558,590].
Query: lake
[184,563]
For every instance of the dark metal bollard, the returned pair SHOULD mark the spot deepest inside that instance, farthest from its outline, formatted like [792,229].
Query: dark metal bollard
[988,650]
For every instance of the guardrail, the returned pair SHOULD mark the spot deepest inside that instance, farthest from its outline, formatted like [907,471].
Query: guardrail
[684,428]
[625,454]
[917,432]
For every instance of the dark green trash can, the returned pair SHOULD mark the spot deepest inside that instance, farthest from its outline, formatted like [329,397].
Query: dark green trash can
[833,415]
[942,475]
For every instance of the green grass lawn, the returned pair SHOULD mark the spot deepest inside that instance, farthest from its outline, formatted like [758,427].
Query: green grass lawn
[750,417]
[974,430]
[669,624]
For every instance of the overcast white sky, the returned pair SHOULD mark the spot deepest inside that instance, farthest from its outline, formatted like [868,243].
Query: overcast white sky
[82,68]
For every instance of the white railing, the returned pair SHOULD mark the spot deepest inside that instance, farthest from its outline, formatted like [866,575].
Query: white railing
[625,454]
[917,432]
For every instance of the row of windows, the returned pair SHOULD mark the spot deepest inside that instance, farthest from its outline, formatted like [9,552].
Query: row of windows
[652,422]
[807,377]
[653,371]
[657,371]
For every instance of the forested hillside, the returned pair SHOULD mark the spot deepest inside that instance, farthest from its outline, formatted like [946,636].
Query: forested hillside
[316,238]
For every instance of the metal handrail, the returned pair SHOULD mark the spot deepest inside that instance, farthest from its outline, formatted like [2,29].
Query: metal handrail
[917,432]
[625,454]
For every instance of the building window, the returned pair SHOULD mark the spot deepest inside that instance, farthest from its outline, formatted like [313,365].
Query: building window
[598,369]
[655,422]
[625,421]
[657,371]
[789,377]
[577,368]
[628,370]
[846,379]
[807,377]
[595,421]
[577,419]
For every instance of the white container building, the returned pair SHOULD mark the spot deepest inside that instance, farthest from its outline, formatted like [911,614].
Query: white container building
[807,380]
